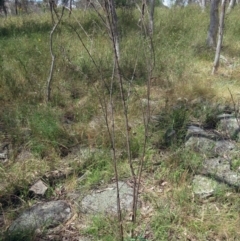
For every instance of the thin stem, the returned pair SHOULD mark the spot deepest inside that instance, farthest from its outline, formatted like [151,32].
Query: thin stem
[49,80]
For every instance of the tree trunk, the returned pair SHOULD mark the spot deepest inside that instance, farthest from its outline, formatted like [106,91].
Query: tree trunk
[231,5]
[152,5]
[16,6]
[203,5]
[3,6]
[213,27]
[220,37]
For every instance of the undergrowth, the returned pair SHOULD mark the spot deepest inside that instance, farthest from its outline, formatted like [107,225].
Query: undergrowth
[182,91]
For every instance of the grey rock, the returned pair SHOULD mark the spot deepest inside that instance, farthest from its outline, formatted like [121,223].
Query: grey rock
[209,147]
[41,215]
[219,149]
[145,102]
[4,152]
[196,131]
[224,147]
[220,169]
[192,129]
[24,155]
[105,201]
[207,143]
[86,153]
[39,188]
[225,116]
[203,187]
[229,126]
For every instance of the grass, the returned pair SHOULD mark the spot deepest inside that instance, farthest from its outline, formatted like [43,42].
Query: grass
[182,90]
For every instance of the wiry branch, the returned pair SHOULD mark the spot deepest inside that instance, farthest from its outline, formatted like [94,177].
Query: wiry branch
[49,81]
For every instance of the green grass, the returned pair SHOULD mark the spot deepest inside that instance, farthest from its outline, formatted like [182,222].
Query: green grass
[182,90]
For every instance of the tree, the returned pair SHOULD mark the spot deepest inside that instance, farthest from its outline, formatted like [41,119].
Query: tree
[213,27]
[231,5]
[220,37]
[203,4]
[3,6]
[151,14]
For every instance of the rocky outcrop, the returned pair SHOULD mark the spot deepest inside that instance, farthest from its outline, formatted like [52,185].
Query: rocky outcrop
[219,148]
[203,187]
[104,201]
[42,215]
[208,143]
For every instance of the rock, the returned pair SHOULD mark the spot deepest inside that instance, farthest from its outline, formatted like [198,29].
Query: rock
[224,148]
[220,169]
[203,186]
[24,155]
[151,103]
[39,188]
[229,126]
[4,151]
[192,129]
[40,216]
[207,143]
[105,201]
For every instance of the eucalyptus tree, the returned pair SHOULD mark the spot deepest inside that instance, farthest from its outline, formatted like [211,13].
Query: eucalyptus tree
[203,4]
[3,6]
[213,26]
[220,37]
[151,15]
[231,5]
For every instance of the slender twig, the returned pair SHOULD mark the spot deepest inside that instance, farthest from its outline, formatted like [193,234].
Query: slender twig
[99,15]
[49,81]
[79,24]
[91,57]
[112,135]
[111,22]
[146,115]
[111,132]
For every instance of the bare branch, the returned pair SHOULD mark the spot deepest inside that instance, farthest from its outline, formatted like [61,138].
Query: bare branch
[49,81]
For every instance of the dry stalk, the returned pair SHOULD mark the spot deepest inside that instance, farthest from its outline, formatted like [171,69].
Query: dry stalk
[49,80]
[111,130]
[110,24]
[112,136]
[100,15]
[146,116]
[146,113]
[52,6]
[136,179]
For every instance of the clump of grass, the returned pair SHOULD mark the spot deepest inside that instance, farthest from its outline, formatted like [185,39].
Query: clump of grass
[19,235]
[47,132]
[165,223]
[103,228]
[98,165]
